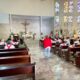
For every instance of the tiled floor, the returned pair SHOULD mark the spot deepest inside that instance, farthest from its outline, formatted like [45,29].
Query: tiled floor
[53,68]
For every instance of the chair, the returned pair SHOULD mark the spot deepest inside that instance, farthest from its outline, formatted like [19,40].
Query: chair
[28,69]
[64,52]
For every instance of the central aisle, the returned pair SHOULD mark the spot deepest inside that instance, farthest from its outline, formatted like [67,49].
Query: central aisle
[53,68]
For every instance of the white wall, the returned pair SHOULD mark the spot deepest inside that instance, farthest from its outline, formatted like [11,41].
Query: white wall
[33,26]
[47,26]
[28,7]
[4,31]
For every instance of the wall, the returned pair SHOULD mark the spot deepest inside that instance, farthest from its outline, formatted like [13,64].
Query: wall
[28,7]
[47,26]
[4,31]
[33,26]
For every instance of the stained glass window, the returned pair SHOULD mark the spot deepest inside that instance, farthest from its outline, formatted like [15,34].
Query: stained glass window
[65,7]
[65,18]
[78,6]
[70,18]
[71,6]
[57,18]
[56,7]
[78,19]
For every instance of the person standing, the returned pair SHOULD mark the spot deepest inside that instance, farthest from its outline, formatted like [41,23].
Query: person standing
[42,36]
[47,45]
[34,36]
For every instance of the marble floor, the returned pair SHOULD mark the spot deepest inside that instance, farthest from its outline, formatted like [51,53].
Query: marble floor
[53,68]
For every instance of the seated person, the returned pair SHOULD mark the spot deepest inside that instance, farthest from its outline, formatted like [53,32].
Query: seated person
[63,43]
[76,42]
[53,40]
[2,44]
[75,36]
[59,40]
[42,37]
[11,37]
[22,44]
[71,43]
[9,46]
[16,37]
[51,35]
[79,41]
[67,40]
[14,42]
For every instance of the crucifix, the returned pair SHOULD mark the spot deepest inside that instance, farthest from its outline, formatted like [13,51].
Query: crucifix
[25,23]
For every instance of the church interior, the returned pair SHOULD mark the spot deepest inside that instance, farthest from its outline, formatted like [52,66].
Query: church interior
[39,39]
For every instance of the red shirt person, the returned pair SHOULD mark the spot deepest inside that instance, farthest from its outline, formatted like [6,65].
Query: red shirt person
[47,45]
[47,42]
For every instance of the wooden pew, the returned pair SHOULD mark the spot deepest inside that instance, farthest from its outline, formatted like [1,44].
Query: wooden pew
[64,52]
[53,48]
[9,58]
[77,60]
[16,49]
[13,53]
[28,69]
[15,59]
[72,52]
[76,52]
[57,49]
[13,50]
[2,46]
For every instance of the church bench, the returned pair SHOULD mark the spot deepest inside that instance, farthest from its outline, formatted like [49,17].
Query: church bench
[24,69]
[13,53]
[72,54]
[16,49]
[57,49]
[74,49]
[77,60]
[53,48]
[64,52]
[15,59]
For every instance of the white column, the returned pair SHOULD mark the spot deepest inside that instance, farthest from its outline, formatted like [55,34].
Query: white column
[40,25]
[10,22]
